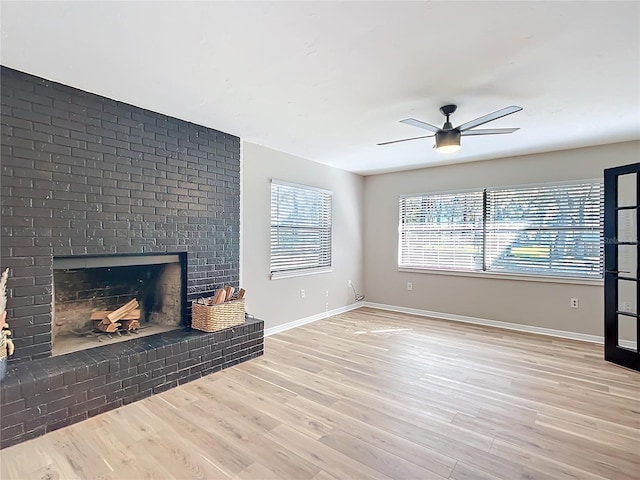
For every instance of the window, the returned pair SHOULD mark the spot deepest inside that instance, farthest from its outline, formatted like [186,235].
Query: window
[441,231]
[300,229]
[548,230]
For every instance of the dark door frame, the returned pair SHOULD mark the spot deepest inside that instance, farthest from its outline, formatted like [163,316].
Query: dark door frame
[613,352]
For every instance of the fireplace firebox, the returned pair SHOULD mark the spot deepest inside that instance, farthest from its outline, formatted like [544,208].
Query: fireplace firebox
[86,286]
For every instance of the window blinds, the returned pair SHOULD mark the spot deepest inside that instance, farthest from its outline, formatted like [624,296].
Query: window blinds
[300,229]
[546,230]
[549,230]
[441,231]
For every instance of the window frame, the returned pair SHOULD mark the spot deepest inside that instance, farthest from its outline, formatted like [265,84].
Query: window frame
[507,275]
[325,248]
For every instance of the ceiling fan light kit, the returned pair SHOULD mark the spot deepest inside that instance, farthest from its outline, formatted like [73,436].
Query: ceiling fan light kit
[448,137]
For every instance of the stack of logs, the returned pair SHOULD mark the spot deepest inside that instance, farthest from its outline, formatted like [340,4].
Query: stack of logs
[225,295]
[127,318]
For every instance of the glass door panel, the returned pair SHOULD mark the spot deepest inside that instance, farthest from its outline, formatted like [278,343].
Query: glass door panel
[627,225]
[627,296]
[627,190]
[627,333]
[628,260]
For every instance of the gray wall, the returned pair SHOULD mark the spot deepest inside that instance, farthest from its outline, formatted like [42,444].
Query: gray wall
[86,175]
[540,304]
[278,301]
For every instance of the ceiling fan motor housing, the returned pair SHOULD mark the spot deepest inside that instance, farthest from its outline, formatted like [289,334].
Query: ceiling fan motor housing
[448,138]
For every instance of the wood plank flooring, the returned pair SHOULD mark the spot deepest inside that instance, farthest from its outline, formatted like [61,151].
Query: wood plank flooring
[369,394]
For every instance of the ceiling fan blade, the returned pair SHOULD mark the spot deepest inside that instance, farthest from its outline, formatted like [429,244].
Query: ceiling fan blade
[489,117]
[404,140]
[488,131]
[419,124]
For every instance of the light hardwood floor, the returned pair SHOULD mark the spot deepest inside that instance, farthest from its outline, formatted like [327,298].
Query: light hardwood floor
[369,394]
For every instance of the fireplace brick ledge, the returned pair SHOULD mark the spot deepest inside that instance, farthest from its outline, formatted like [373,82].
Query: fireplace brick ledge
[42,395]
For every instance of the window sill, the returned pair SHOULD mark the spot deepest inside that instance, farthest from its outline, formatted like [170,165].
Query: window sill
[507,276]
[302,273]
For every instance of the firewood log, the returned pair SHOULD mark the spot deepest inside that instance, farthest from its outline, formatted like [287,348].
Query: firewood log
[130,325]
[122,311]
[229,292]
[220,296]
[107,327]
[102,314]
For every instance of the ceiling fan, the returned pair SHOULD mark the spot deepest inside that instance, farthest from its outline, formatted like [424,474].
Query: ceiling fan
[448,137]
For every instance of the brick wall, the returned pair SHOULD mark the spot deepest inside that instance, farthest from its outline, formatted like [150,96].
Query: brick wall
[85,175]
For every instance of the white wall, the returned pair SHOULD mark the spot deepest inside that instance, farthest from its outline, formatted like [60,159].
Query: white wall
[523,302]
[278,301]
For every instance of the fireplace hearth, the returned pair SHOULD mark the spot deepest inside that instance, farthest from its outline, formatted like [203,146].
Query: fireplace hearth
[43,395]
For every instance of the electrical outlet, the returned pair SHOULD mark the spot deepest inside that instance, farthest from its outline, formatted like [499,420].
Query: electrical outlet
[626,307]
[350,284]
[327,293]
[409,286]
[573,303]
[302,294]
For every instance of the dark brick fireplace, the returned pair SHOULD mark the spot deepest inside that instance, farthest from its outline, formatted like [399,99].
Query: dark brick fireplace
[85,176]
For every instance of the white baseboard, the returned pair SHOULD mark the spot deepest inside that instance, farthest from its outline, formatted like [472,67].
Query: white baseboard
[491,323]
[311,319]
[583,337]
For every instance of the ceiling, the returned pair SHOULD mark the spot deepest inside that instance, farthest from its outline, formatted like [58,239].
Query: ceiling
[327,81]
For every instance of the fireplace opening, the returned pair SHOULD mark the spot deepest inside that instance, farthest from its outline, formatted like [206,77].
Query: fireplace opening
[151,288]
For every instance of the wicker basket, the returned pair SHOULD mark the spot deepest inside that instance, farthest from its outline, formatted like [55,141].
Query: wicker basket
[211,318]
